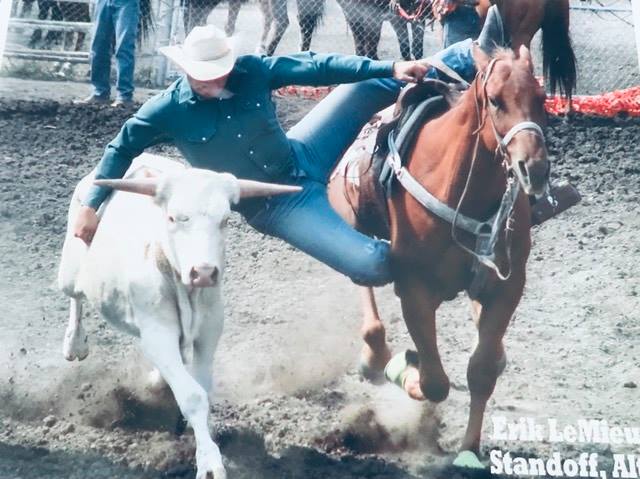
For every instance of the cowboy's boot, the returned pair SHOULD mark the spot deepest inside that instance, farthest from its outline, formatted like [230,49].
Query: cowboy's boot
[493,34]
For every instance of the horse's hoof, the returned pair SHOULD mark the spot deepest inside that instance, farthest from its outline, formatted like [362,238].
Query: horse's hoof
[397,368]
[502,363]
[372,375]
[469,460]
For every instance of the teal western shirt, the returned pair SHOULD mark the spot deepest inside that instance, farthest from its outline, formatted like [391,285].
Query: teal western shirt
[241,134]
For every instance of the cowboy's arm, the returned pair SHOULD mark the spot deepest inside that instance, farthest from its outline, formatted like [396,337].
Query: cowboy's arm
[142,130]
[314,69]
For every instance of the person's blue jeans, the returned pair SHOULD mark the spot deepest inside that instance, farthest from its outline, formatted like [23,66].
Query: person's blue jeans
[116,27]
[306,220]
[459,25]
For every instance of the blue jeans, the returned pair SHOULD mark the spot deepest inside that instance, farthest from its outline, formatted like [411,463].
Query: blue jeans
[306,220]
[116,25]
[461,24]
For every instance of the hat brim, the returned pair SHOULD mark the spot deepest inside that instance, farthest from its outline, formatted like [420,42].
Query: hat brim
[200,70]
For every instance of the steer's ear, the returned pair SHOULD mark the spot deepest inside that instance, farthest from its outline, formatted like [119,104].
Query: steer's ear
[230,183]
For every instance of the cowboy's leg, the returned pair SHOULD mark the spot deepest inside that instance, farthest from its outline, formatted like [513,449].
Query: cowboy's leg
[307,221]
[459,25]
[323,135]
[126,30]
[101,50]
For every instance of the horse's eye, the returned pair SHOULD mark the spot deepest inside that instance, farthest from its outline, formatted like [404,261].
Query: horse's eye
[494,102]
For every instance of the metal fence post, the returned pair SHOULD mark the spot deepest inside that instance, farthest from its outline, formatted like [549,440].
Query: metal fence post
[5,13]
[635,5]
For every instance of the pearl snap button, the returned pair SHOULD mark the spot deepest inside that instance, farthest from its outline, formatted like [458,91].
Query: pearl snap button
[204,138]
[264,166]
[239,135]
[228,117]
[251,152]
[258,105]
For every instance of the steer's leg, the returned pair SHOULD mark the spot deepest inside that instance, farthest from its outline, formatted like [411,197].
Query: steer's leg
[375,352]
[160,343]
[205,344]
[75,344]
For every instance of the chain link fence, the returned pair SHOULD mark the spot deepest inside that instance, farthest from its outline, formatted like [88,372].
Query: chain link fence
[47,38]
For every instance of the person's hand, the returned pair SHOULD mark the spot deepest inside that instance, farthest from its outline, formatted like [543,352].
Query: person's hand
[412,71]
[86,224]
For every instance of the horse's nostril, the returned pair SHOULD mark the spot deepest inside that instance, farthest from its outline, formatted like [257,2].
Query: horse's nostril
[193,274]
[214,275]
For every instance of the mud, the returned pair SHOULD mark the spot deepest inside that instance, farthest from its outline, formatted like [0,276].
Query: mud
[288,401]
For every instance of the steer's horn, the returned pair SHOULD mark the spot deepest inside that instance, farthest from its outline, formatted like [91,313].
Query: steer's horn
[252,189]
[144,186]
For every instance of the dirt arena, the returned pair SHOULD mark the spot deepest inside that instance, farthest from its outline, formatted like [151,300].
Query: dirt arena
[288,401]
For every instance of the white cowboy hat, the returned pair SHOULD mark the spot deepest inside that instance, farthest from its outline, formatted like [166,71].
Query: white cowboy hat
[207,53]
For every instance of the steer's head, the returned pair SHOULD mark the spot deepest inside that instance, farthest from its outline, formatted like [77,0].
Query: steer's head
[196,205]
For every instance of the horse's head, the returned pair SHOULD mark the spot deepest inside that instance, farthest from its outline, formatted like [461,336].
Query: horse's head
[511,103]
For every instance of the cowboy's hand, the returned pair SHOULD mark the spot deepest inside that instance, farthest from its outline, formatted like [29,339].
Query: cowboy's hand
[412,71]
[86,224]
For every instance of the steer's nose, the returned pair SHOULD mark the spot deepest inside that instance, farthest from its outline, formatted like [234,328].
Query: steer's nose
[203,276]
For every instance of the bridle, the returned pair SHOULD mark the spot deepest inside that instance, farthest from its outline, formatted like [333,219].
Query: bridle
[487,239]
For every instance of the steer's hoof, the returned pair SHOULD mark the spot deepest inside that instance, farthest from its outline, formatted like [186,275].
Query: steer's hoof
[468,460]
[217,473]
[78,349]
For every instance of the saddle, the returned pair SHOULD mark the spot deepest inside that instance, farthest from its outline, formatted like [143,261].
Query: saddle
[368,177]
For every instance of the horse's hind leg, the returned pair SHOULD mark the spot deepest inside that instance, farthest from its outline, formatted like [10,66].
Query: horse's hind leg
[488,359]
[232,16]
[375,352]
[400,26]
[280,24]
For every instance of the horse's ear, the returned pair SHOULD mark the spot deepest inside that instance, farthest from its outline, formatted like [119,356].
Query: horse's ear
[480,57]
[525,54]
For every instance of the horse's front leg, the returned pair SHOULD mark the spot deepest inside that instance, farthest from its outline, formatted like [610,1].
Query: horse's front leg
[419,307]
[488,359]
[375,352]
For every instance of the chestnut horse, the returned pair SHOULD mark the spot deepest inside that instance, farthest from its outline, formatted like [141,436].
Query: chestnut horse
[498,146]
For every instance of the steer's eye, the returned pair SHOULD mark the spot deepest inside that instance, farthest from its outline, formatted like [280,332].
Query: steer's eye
[225,222]
[171,219]
[182,218]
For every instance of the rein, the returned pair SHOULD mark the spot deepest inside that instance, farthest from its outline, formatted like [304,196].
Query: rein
[486,232]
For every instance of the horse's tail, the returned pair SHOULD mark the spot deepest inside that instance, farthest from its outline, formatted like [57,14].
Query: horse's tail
[145,21]
[559,61]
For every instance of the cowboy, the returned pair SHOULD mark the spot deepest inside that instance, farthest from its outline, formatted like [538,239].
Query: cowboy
[220,115]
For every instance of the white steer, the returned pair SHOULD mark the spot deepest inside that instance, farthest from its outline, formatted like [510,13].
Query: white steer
[154,269]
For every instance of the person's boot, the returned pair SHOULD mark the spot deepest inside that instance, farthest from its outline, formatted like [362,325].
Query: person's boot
[561,197]
[92,99]
[493,34]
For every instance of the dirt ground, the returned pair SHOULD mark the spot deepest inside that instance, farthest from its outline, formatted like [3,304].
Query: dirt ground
[288,401]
